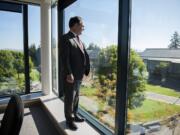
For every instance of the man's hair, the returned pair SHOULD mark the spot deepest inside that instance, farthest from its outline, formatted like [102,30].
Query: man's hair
[74,20]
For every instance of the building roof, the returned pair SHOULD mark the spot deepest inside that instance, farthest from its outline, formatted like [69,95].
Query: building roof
[162,54]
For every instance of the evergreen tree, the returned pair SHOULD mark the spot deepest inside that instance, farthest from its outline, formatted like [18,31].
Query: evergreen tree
[175,41]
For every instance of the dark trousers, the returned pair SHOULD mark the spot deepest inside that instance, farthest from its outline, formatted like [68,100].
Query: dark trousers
[71,99]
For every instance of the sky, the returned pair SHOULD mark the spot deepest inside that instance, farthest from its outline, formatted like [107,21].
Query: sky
[11,28]
[100,20]
[153,22]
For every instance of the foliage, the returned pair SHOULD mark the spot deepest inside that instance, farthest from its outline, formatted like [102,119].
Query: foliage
[175,41]
[20,80]
[18,62]
[107,71]
[93,46]
[136,80]
[12,67]
[6,64]
[93,51]
[31,64]
[161,69]
[34,75]
[108,60]
[34,54]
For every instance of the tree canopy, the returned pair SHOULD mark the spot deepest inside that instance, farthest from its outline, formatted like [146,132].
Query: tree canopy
[107,71]
[6,64]
[12,63]
[93,46]
[136,80]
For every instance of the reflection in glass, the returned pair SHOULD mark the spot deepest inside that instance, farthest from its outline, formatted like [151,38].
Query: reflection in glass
[153,85]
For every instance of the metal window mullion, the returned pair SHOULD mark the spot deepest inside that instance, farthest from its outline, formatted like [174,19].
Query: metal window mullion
[122,65]
[26,50]
[61,24]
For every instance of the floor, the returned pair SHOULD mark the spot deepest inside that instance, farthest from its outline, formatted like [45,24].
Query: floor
[48,118]
[36,122]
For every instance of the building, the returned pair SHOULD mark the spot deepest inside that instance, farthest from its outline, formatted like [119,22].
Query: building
[154,56]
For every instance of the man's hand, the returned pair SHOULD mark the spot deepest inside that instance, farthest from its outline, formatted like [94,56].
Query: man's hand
[70,78]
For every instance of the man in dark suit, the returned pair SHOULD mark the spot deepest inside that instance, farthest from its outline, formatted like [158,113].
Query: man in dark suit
[75,63]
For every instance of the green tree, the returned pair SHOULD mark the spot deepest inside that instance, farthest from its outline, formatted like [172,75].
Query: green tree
[93,46]
[12,67]
[6,64]
[162,70]
[107,71]
[18,62]
[175,41]
[32,54]
[136,80]
[108,60]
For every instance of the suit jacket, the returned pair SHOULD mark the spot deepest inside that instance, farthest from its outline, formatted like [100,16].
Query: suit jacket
[74,60]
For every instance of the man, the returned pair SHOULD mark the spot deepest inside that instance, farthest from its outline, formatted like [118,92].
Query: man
[75,63]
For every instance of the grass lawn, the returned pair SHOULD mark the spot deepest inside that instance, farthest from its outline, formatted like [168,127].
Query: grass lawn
[162,90]
[152,110]
[88,91]
[35,75]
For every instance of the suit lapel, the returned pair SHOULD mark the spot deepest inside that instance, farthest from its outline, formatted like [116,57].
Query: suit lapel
[75,40]
[78,44]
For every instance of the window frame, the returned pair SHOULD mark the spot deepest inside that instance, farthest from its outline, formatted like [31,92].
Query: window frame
[124,26]
[22,8]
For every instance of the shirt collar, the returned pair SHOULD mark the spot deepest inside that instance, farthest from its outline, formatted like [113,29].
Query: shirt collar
[74,34]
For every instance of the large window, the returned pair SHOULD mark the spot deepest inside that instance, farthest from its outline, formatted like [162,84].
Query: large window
[54,46]
[97,94]
[14,36]
[154,73]
[12,77]
[34,47]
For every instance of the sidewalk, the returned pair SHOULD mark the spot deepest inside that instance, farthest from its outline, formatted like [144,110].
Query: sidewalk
[163,98]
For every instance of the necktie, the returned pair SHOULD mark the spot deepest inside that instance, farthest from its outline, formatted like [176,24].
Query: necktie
[80,44]
[82,49]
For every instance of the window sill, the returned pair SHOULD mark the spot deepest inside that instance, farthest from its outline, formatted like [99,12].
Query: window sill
[56,109]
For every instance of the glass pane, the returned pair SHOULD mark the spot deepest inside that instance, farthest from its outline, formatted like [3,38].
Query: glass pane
[54,48]
[154,75]
[12,78]
[97,93]
[34,47]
